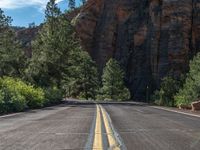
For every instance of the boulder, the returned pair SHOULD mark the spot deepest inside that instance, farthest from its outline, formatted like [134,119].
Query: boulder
[195,106]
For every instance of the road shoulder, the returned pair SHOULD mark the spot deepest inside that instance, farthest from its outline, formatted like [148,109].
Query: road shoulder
[180,111]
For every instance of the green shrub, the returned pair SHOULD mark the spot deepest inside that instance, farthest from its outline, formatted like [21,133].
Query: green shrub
[16,95]
[17,102]
[191,88]
[53,96]
[158,97]
[35,97]
[187,94]
[125,95]
[181,100]
[11,101]
[168,89]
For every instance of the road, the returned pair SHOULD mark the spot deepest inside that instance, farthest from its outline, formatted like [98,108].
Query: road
[99,126]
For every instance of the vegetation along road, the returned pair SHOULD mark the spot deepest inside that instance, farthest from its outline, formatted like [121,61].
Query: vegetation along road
[105,51]
[100,126]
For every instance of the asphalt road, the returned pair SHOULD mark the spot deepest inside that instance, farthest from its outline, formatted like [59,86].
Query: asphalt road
[91,126]
[146,128]
[56,128]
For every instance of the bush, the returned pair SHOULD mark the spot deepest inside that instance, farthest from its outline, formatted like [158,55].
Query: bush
[125,94]
[191,88]
[168,89]
[181,100]
[16,95]
[52,96]
[188,93]
[11,101]
[35,97]
[157,97]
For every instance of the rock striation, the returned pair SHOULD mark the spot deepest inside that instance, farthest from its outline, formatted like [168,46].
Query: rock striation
[150,38]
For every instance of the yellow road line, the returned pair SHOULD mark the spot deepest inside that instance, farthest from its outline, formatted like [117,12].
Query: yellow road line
[98,142]
[113,144]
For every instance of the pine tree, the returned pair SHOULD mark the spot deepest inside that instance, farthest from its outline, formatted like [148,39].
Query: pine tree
[83,1]
[72,4]
[12,57]
[83,81]
[52,11]
[113,83]
[51,48]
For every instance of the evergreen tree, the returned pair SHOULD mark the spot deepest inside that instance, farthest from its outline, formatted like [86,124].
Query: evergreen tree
[12,57]
[168,89]
[113,82]
[49,61]
[58,60]
[191,88]
[72,4]
[83,81]
[52,9]
[83,1]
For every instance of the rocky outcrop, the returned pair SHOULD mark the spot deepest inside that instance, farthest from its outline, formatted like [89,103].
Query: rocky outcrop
[195,106]
[150,38]
[26,36]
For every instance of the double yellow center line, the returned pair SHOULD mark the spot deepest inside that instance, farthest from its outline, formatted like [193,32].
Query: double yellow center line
[98,141]
[98,135]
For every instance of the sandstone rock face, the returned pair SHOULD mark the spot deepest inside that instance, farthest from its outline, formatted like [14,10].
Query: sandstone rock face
[150,38]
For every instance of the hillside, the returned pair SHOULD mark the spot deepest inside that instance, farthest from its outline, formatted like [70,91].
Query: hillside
[150,39]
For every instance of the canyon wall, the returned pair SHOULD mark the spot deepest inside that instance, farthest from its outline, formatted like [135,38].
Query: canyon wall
[150,38]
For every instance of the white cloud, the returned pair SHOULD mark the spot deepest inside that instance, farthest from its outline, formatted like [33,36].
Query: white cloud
[13,4]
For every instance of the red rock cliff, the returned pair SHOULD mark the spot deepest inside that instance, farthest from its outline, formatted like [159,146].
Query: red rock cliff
[150,38]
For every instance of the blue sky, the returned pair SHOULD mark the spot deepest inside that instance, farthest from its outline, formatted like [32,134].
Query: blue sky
[24,12]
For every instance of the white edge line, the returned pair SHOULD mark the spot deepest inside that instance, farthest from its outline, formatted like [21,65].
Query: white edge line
[179,112]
